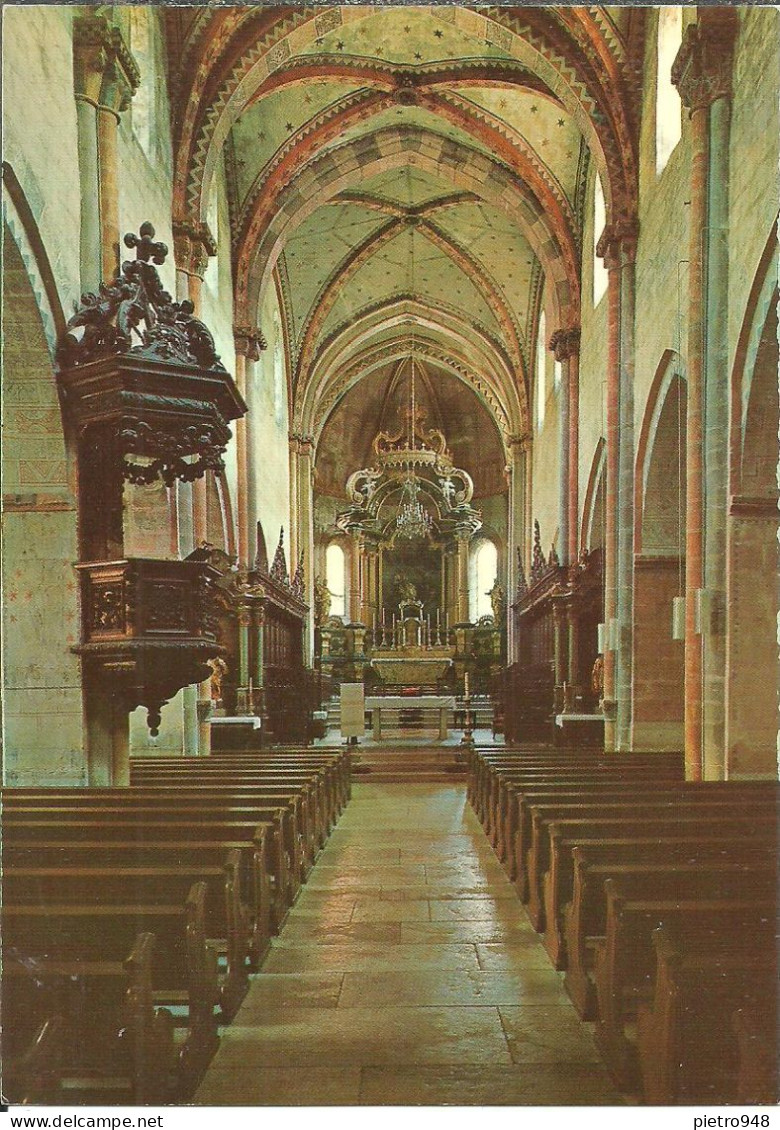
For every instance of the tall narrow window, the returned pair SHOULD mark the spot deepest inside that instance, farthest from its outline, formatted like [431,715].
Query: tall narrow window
[335,578]
[484,573]
[668,106]
[541,365]
[211,274]
[143,107]
[279,380]
[600,274]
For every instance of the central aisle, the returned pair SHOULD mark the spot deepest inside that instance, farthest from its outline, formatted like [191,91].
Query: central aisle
[407,973]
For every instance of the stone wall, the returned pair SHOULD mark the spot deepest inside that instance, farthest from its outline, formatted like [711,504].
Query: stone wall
[42,703]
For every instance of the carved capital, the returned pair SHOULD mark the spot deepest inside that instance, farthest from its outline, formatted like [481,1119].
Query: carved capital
[104,70]
[702,70]
[302,444]
[565,343]
[249,342]
[618,241]
[193,243]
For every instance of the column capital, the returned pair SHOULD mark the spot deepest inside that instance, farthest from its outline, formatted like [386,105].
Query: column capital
[518,442]
[104,70]
[301,444]
[618,241]
[249,341]
[193,243]
[564,343]
[703,67]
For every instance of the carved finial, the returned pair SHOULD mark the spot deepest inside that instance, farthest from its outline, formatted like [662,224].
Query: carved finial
[522,583]
[298,581]
[553,560]
[135,314]
[145,247]
[538,564]
[279,565]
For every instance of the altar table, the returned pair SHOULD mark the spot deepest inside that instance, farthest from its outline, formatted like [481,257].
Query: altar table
[378,704]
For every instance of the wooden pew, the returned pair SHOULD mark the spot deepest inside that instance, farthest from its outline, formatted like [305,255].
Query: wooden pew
[307,795]
[558,880]
[334,768]
[510,815]
[621,783]
[193,855]
[33,1078]
[268,837]
[226,925]
[688,1051]
[756,1028]
[683,869]
[185,966]
[110,1043]
[309,817]
[643,818]
[203,806]
[489,768]
[498,785]
[625,960]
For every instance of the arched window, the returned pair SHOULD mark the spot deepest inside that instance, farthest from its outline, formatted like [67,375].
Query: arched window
[211,274]
[335,578]
[279,381]
[484,571]
[557,375]
[600,275]
[541,362]
[143,107]
[668,106]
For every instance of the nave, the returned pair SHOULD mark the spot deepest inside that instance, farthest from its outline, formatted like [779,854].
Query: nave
[407,973]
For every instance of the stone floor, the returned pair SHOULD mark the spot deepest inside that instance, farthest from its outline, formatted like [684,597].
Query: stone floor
[406,974]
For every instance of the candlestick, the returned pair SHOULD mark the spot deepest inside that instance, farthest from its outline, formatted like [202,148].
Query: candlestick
[466,683]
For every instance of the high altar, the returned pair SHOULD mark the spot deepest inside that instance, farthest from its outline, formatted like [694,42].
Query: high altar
[411,521]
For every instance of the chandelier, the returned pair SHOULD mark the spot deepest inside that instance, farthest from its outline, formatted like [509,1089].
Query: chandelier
[413,521]
[386,498]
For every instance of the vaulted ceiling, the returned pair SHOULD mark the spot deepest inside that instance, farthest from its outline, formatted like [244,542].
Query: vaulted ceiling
[407,177]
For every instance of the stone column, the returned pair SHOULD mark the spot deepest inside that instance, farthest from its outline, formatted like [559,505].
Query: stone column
[565,344]
[702,73]
[105,77]
[559,652]
[243,704]
[463,580]
[353,611]
[258,676]
[249,341]
[618,247]
[302,533]
[192,245]
[516,532]
[607,249]
[369,569]
[627,237]
[573,687]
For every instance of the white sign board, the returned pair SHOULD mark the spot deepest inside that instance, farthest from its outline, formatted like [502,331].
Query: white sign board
[353,711]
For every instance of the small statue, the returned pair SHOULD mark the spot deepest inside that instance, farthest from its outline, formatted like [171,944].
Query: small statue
[321,601]
[408,592]
[597,678]
[219,669]
[497,602]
